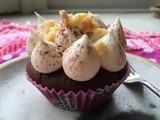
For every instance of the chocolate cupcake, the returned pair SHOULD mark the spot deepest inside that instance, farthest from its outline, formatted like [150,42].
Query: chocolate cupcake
[77,63]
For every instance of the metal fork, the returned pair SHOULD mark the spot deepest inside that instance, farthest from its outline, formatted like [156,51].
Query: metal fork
[136,78]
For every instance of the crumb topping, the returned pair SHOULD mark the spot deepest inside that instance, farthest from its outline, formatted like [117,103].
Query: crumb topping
[64,16]
[82,21]
[48,24]
[51,34]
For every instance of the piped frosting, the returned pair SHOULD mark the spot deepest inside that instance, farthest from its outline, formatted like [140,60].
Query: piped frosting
[112,55]
[41,20]
[44,25]
[66,36]
[81,61]
[32,40]
[99,32]
[97,20]
[118,32]
[46,56]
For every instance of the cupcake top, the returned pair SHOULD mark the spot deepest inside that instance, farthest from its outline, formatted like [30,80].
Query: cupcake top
[80,43]
[81,61]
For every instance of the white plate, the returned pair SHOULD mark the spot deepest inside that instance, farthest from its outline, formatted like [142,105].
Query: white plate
[20,100]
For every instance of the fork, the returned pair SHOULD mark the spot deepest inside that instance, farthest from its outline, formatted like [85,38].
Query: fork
[134,77]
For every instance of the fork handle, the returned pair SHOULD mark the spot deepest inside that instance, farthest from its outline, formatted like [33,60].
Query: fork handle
[152,88]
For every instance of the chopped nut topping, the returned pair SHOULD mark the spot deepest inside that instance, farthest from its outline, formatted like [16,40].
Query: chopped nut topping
[88,24]
[76,20]
[52,34]
[48,24]
[97,34]
[70,15]
[64,16]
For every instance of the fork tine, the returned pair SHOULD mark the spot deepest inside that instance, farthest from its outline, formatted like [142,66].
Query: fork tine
[132,68]
[132,71]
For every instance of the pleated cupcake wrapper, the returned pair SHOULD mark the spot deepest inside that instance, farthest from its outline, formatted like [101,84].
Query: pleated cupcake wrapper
[80,100]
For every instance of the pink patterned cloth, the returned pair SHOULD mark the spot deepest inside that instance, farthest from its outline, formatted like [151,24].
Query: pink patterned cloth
[13,38]
[145,44]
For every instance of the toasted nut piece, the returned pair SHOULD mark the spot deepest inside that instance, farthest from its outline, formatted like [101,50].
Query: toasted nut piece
[70,15]
[76,20]
[52,34]
[101,48]
[88,25]
[97,34]
[64,16]
[48,24]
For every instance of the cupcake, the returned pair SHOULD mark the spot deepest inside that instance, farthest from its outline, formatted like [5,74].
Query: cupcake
[78,62]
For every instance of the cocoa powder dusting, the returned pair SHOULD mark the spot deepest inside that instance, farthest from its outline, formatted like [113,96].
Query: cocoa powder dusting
[80,62]
[76,34]
[71,28]
[40,52]
[81,32]
[77,55]
[74,59]
[60,53]
[46,52]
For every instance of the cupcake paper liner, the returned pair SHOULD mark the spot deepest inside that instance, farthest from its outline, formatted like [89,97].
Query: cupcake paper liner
[80,100]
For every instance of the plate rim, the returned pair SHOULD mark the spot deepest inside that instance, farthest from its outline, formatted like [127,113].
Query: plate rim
[14,60]
[7,63]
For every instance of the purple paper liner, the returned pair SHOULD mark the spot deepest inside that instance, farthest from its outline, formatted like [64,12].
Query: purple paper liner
[80,100]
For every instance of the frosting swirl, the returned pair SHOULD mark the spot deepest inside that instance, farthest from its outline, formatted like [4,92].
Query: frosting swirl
[32,40]
[66,36]
[97,20]
[99,32]
[44,25]
[41,20]
[118,32]
[81,61]
[46,56]
[112,55]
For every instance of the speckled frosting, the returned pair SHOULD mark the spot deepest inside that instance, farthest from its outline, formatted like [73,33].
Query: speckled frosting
[79,43]
[83,58]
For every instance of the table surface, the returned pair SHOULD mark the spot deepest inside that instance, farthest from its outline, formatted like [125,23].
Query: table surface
[20,100]
[133,21]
